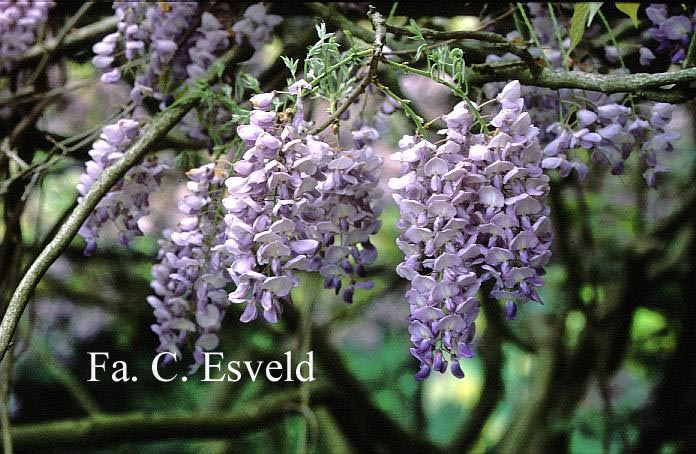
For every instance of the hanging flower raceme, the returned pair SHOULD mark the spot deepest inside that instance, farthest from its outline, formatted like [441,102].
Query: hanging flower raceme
[297,204]
[256,25]
[149,35]
[127,201]
[612,132]
[151,32]
[190,279]
[20,22]
[351,204]
[512,215]
[610,127]
[471,210]
[271,211]
[671,28]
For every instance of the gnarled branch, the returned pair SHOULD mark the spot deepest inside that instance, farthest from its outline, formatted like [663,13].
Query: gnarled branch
[105,430]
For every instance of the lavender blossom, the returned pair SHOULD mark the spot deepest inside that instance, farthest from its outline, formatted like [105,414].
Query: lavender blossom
[351,203]
[20,24]
[149,35]
[190,278]
[127,201]
[298,204]
[272,216]
[256,25]
[603,124]
[472,210]
[671,29]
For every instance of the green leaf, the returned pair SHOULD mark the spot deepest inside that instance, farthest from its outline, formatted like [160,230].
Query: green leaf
[577,24]
[594,7]
[415,29]
[219,69]
[291,63]
[631,10]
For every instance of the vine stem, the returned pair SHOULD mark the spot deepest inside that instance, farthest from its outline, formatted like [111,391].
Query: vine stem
[498,41]
[111,429]
[455,89]
[6,374]
[306,436]
[641,84]
[63,375]
[157,129]
[690,58]
[380,31]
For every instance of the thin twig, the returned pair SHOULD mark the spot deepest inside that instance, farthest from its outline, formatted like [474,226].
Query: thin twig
[498,41]
[380,31]
[304,341]
[690,58]
[28,94]
[28,120]
[60,38]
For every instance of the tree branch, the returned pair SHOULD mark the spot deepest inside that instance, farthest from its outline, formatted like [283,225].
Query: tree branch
[528,72]
[105,430]
[58,42]
[498,41]
[641,84]
[156,130]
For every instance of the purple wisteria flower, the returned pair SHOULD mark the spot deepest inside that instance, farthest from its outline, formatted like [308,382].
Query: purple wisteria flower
[612,132]
[610,127]
[471,209]
[154,38]
[671,28]
[127,201]
[256,25]
[272,216]
[298,204]
[209,42]
[351,202]
[20,22]
[190,279]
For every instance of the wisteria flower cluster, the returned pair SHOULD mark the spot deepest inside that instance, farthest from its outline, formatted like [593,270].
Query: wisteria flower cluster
[256,25]
[20,21]
[612,132]
[160,35]
[157,39]
[671,28]
[472,210]
[127,201]
[190,279]
[150,32]
[297,204]
[293,203]
[609,127]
